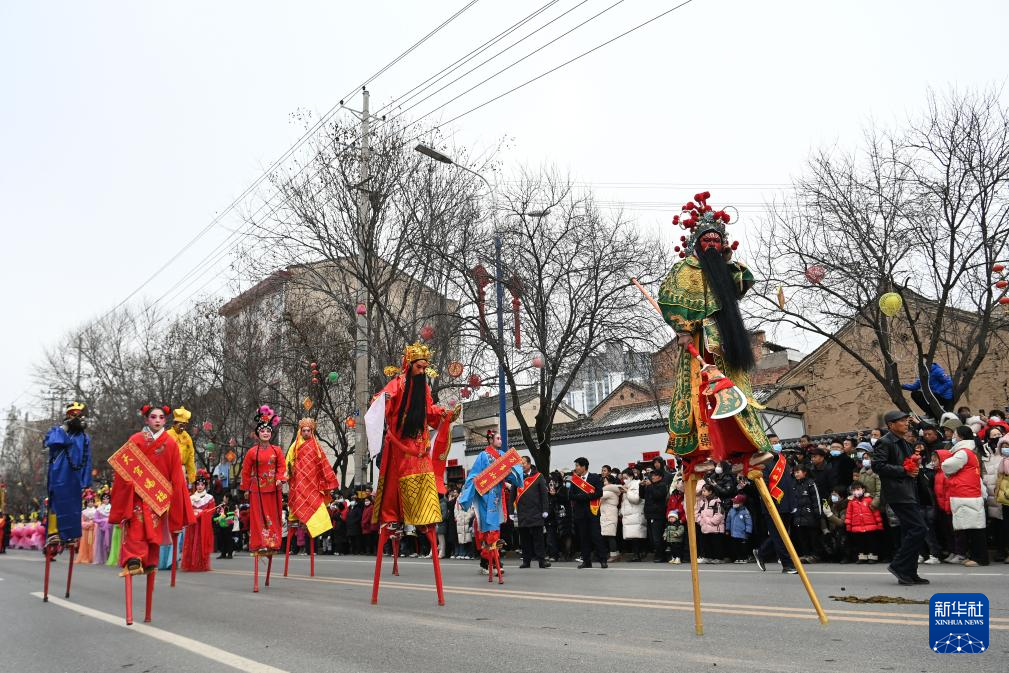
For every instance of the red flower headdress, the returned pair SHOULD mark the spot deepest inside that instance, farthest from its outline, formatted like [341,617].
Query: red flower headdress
[699,219]
[147,408]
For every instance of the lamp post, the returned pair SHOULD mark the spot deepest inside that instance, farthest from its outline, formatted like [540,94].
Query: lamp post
[499,291]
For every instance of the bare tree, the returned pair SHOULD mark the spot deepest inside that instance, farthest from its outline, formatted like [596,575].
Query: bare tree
[920,211]
[572,266]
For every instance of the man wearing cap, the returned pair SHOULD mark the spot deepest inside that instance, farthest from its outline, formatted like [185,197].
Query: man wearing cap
[898,474]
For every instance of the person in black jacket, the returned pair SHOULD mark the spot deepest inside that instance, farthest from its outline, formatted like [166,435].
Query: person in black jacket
[532,508]
[899,486]
[806,522]
[654,490]
[723,484]
[586,521]
[786,509]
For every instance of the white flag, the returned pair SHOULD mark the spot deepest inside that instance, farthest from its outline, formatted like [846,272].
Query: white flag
[374,425]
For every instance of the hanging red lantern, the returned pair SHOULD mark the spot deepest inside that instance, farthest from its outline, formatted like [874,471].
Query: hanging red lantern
[538,361]
[314,365]
[315,381]
[454,369]
[315,372]
[361,310]
[426,332]
[207,426]
[815,273]
[998,268]
[474,381]
[351,423]
[465,393]
[1003,300]
[1002,284]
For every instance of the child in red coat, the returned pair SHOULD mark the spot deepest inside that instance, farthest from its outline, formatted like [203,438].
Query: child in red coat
[863,523]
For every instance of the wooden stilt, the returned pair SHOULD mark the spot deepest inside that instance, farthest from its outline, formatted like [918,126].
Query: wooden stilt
[70,569]
[129,600]
[149,603]
[395,555]
[433,539]
[497,564]
[255,573]
[45,581]
[757,477]
[311,556]
[175,555]
[269,567]
[287,554]
[383,537]
[690,498]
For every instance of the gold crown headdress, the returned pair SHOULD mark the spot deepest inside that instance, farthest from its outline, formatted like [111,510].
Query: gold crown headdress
[412,353]
[76,408]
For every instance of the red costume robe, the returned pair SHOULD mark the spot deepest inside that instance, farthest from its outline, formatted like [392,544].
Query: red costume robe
[198,543]
[312,480]
[407,489]
[144,530]
[262,472]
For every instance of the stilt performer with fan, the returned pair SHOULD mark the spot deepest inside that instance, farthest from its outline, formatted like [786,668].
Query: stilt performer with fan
[712,414]
[413,461]
[264,469]
[69,473]
[150,500]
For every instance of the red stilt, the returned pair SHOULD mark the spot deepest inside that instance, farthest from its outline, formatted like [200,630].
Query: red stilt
[287,555]
[45,582]
[383,537]
[433,539]
[175,555]
[149,604]
[129,600]
[490,566]
[269,567]
[255,573]
[311,554]
[395,555]
[497,563]
[70,569]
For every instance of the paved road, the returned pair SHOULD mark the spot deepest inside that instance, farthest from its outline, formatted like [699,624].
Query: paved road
[631,617]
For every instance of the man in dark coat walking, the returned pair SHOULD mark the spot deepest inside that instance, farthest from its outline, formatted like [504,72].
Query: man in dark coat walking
[532,507]
[654,490]
[899,485]
[585,490]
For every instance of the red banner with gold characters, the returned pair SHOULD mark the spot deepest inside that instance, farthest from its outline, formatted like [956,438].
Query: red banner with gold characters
[585,486]
[497,471]
[529,481]
[131,464]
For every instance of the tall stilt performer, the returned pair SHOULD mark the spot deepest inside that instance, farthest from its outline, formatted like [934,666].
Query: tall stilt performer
[311,480]
[199,540]
[485,486]
[408,485]
[69,472]
[170,554]
[263,471]
[150,500]
[712,415]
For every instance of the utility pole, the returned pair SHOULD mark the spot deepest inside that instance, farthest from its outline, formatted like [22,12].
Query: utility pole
[77,379]
[361,456]
[502,400]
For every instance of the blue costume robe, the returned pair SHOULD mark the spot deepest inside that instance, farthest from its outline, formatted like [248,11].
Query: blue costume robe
[488,506]
[69,474]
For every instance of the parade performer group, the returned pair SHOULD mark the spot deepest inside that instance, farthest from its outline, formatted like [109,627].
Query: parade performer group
[485,487]
[150,499]
[408,487]
[263,471]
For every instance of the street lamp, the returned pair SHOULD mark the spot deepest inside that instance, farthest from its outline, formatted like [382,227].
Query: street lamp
[499,287]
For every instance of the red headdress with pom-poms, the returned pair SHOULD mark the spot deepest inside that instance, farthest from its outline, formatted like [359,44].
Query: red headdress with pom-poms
[266,418]
[700,218]
[147,408]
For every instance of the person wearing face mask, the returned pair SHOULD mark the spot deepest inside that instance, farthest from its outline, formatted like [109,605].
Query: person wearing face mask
[864,524]
[835,539]
[844,463]
[874,436]
[821,470]
[868,478]
[723,483]
[991,458]
[963,480]
[1002,488]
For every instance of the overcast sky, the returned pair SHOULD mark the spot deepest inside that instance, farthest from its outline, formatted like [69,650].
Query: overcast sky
[128,126]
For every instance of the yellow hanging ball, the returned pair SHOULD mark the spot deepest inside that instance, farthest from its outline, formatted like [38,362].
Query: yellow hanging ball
[890,304]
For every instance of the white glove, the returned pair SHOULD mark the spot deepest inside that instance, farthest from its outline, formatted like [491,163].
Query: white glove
[546,514]
[514,518]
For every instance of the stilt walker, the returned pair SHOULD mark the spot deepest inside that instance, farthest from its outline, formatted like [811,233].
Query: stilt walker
[263,472]
[485,487]
[150,501]
[187,454]
[311,484]
[408,485]
[712,415]
[69,472]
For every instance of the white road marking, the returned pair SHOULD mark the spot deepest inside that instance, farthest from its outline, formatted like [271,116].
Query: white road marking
[194,646]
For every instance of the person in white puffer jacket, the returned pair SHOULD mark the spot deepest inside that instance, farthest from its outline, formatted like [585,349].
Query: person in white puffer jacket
[632,516]
[464,531]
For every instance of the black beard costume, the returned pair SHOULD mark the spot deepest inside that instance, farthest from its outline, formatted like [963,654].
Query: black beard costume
[735,339]
[75,424]
[413,412]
